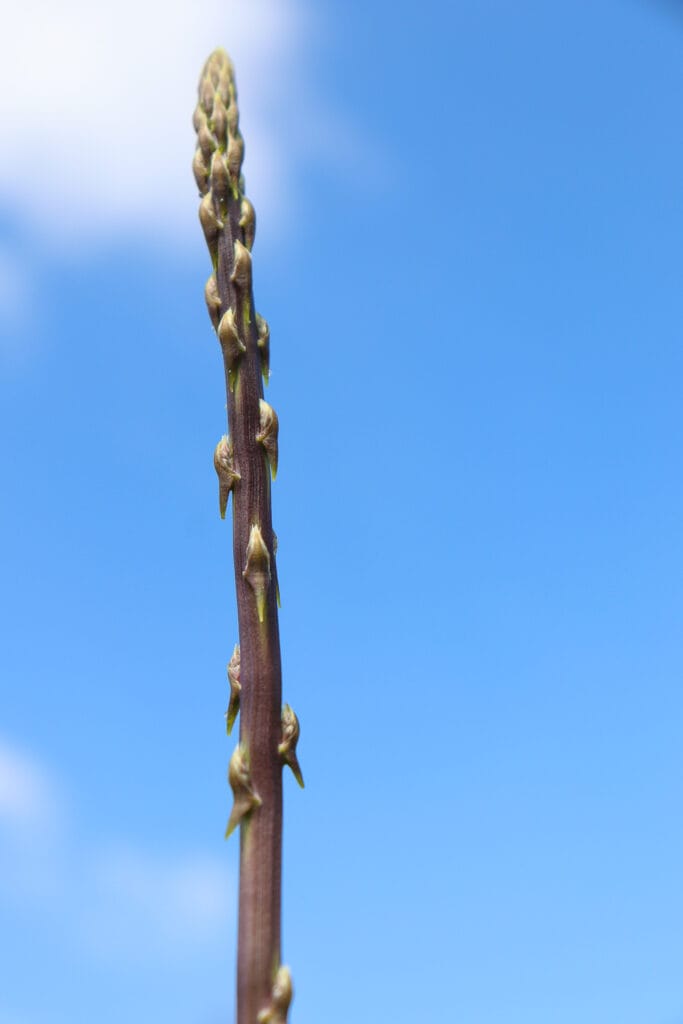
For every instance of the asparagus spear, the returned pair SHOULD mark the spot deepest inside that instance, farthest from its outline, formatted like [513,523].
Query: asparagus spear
[246,459]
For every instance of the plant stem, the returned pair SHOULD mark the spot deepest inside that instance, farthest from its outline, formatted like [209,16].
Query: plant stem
[244,462]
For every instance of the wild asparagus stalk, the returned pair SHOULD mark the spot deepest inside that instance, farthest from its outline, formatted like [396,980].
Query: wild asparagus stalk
[245,460]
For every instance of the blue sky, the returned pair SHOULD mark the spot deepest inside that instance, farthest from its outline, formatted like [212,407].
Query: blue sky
[469,242]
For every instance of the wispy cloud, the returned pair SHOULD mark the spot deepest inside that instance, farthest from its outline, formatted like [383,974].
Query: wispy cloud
[15,300]
[164,903]
[29,798]
[118,901]
[96,104]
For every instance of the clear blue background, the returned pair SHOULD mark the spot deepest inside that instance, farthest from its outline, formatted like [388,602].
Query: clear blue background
[476,347]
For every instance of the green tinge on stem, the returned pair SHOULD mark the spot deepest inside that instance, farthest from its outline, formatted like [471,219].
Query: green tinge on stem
[257,569]
[245,797]
[268,434]
[224,464]
[235,689]
[290,738]
[276,1011]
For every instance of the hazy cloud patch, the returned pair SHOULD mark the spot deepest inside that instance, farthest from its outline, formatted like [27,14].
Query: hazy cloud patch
[117,900]
[165,903]
[28,796]
[96,109]
[15,290]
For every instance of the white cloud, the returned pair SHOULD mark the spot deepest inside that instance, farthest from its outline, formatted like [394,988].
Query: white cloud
[96,103]
[166,903]
[12,286]
[33,821]
[28,797]
[16,309]
[119,901]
